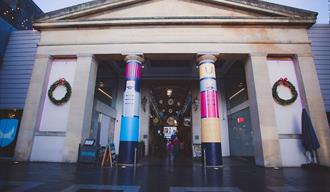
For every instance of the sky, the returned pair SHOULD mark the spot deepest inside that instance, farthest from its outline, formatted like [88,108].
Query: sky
[320,6]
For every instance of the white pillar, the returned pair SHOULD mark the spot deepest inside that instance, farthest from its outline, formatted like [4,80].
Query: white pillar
[196,115]
[81,107]
[145,117]
[313,101]
[33,104]
[265,137]
[119,110]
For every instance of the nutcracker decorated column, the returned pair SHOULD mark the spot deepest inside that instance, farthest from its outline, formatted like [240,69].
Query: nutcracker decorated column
[211,132]
[129,130]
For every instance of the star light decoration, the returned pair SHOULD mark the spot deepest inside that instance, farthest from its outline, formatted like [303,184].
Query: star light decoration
[11,14]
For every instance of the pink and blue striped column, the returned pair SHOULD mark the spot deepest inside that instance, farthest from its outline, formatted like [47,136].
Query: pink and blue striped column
[129,130]
[211,132]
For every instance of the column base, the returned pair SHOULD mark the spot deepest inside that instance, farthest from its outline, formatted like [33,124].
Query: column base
[126,152]
[213,154]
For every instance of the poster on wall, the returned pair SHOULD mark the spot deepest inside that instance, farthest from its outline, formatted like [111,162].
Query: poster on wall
[8,133]
[130,107]
[169,131]
[197,150]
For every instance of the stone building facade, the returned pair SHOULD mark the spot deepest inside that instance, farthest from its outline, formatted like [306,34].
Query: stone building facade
[269,41]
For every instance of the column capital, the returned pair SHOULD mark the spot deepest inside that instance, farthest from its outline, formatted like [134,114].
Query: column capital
[203,57]
[134,57]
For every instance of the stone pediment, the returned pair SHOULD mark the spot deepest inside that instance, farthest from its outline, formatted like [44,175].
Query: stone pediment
[171,8]
[129,12]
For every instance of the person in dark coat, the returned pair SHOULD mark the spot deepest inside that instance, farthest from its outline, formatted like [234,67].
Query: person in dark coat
[309,138]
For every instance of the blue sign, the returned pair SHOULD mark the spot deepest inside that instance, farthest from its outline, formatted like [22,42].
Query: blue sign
[88,153]
[8,130]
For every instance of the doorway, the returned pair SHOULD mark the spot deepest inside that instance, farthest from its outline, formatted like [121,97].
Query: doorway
[240,134]
[239,118]
[170,117]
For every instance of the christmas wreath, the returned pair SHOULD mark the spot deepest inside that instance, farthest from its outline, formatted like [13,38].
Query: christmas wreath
[288,84]
[60,82]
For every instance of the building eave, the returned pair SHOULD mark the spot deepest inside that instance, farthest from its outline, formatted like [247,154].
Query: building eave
[176,21]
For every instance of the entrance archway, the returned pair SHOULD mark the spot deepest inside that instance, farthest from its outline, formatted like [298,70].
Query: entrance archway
[170,116]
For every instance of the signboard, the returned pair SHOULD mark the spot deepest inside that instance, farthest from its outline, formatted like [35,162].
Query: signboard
[8,133]
[197,150]
[169,131]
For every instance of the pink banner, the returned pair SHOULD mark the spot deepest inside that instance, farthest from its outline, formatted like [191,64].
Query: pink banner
[133,71]
[209,104]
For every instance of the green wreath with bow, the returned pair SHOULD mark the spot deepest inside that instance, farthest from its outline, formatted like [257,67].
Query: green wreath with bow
[284,82]
[60,82]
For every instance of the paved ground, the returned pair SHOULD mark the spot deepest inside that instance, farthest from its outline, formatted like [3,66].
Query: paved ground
[158,175]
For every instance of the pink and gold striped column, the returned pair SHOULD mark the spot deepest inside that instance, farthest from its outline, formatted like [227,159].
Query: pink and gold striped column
[211,132]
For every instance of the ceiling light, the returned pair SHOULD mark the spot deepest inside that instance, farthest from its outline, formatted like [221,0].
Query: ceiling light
[101,84]
[238,92]
[104,93]
[169,92]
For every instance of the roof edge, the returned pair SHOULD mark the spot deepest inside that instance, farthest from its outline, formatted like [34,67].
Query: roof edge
[175,21]
[276,7]
[84,8]
[75,8]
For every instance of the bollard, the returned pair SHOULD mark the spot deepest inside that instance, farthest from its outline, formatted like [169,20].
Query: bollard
[135,156]
[204,157]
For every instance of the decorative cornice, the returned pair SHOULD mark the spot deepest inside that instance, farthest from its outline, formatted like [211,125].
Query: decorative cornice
[175,21]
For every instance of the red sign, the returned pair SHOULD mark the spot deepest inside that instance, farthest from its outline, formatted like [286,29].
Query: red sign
[240,120]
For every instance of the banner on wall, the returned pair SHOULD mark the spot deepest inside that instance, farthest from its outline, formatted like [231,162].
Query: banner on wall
[8,133]
[131,107]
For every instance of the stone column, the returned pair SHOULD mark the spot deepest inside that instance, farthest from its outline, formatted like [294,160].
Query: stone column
[314,105]
[211,132]
[145,118]
[129,130]
[265,137]
[32,108]
[81,107]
